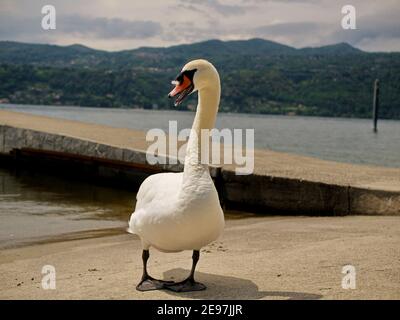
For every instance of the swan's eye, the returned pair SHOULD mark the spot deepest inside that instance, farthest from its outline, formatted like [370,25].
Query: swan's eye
[190,73]
[187,73]
[179,78]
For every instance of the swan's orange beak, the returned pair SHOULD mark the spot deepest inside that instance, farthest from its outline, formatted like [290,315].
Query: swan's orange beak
[183,87]
[180,86]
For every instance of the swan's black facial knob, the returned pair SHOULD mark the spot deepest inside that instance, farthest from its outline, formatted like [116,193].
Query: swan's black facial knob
[183,86]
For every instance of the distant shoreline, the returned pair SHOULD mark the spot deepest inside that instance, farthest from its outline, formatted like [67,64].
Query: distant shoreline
[6,105]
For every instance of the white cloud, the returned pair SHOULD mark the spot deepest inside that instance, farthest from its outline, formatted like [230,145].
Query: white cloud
[108,28]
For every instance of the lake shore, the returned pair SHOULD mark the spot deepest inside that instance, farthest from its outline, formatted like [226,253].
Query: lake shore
[348,140]
[279,182]
[256,258]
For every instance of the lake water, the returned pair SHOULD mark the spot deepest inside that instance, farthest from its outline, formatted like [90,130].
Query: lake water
[344,140]
[39,207]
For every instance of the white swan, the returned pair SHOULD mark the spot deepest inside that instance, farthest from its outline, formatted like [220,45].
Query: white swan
[181,211]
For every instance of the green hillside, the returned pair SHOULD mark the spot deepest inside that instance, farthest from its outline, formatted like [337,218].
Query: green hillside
[258,76]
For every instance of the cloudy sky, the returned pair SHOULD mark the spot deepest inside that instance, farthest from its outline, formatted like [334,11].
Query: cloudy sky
[126,24]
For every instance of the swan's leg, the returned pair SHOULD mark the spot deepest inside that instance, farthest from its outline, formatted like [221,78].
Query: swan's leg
[149,283]
[188,284]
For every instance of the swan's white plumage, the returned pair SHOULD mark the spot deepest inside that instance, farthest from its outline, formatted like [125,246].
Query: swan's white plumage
[181,211]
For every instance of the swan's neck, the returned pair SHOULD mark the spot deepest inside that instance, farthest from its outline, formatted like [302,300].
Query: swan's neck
[206,113]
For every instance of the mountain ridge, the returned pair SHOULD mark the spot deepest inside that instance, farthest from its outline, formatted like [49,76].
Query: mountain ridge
[258,76]
[51,54]
[251,40]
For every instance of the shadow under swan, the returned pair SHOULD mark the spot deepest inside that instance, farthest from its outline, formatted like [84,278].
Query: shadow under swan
[231,288]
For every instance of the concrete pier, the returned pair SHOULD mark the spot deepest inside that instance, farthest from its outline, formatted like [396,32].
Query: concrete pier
[281,183]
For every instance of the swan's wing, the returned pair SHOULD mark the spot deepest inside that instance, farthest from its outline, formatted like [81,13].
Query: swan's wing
[159,186]
[152,196]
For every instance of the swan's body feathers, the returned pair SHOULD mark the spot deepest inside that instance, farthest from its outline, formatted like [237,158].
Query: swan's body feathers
[171,219]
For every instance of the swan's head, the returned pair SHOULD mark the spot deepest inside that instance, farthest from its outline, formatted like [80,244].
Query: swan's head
[195,75]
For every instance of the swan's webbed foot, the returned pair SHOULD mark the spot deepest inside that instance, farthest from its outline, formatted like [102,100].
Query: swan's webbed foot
[185,286]
[148,283]
[188,284]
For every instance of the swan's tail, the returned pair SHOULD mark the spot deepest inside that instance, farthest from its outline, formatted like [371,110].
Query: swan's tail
[130,228]
[133,221]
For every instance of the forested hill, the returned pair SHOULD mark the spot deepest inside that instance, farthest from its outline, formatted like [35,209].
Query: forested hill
[258,76]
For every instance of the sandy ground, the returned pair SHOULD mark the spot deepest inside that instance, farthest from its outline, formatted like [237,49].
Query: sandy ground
[256,258]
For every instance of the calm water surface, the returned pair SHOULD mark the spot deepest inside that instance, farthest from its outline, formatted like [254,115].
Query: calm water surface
[35,207]
[41,207]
